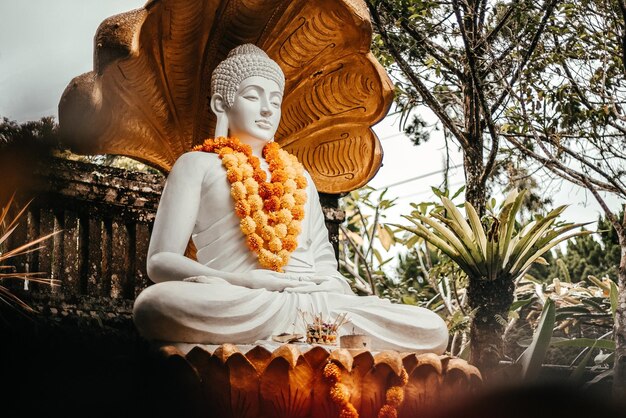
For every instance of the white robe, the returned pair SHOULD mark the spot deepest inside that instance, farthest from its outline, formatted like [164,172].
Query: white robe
[219,312]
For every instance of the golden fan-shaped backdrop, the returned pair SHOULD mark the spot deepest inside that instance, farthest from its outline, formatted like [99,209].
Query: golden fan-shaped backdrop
[290,383]
[147,97]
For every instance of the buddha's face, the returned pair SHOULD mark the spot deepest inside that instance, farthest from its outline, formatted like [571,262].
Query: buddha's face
[255,112]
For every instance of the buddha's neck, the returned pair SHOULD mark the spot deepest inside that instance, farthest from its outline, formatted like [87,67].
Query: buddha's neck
[256,144]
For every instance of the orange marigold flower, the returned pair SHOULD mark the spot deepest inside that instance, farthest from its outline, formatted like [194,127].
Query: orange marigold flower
[272,204]
[242,208]
[225,151]
[247,225]
[339,393]
[290,243]
[259,175]
[255,242]
[275,245]
[395,396]
[279,176]
[234,175]
[265,190]
[348,411]
[403,379]
[332,372]
[388,411]
[277,189]
[298,212]
[301,182]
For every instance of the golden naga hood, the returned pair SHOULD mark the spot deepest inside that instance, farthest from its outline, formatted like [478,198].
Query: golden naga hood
[148,95]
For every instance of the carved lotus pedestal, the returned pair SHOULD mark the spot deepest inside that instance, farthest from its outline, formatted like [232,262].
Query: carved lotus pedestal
[290,382]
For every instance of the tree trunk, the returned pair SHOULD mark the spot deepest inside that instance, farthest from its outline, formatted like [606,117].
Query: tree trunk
[491,300]
[619,378]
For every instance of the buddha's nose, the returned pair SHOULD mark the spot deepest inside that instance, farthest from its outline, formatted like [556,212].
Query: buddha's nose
[266,111]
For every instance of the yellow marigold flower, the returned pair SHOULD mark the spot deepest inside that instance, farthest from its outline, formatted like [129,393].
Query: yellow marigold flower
[300,196]
[256,203]
[267,233]
[230,160]
[248,226]
[247,171]
[387,411]
[275,245]
[287,201]
[225,151]
[285,216]
[301,182]
[260,218]
[284,256]
[238,190]
[395,396]
[294,228]
[242,158]
[252,186]
[290,186]
[281,230]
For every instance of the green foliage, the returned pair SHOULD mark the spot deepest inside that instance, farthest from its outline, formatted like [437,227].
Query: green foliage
[362,239]
[496,249]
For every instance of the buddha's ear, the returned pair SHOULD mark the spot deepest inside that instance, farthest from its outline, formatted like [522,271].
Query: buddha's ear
[218,106]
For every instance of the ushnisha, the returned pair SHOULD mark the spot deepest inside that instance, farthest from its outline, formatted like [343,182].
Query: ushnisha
[226,192]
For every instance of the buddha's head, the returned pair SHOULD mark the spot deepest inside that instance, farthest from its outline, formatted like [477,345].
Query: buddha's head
[246,94]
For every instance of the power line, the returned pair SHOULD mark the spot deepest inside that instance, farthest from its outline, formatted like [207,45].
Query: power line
[416,178]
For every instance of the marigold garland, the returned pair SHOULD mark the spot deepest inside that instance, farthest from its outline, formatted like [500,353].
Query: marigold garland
[394,396]
[270,212]
[339,393]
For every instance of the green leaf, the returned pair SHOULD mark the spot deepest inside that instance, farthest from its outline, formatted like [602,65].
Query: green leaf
[532,358]
[613,297]
[585,342]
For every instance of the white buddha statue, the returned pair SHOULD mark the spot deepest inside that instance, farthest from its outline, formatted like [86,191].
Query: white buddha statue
[263,252]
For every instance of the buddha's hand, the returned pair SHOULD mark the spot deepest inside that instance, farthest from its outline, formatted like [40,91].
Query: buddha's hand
[328,284]
[205,279]
[271,280]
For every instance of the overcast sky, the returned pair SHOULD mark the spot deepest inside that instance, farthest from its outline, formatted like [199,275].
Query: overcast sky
[45,43]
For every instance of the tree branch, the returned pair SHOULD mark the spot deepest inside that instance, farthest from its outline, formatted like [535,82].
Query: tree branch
[479,89]
[549,9]
[430,100]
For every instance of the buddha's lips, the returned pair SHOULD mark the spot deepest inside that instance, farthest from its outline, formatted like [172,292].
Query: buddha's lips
[263,123]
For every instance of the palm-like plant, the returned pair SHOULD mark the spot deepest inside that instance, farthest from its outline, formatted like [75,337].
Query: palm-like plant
[493,254]
[8,225]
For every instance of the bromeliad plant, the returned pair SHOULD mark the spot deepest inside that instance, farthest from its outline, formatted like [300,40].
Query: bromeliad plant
[494,253]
